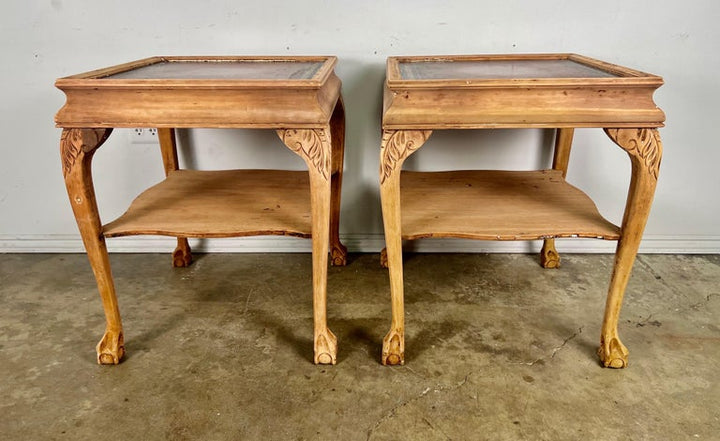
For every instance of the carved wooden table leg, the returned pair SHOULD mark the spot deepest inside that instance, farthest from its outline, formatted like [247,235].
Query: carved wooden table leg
[313,145]
[338,251]
[77,147]
[396,146]
[549,257]
[645,150]
[383,258]
[182,256]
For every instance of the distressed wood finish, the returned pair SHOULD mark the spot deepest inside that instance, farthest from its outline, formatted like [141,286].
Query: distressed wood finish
[338,251]
[383,258]
[520,102]
[308,115]
[232,203]
[645,150]
[182,255]
[396,146]
[549,257]
[313,145]
[96,101]
[77,147]
[498,205]
[567,91]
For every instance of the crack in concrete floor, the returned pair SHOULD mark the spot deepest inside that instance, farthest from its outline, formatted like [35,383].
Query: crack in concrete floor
[705,302]
[555,350]
[393,411]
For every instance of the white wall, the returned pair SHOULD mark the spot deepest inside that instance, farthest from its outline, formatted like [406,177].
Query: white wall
[44,40]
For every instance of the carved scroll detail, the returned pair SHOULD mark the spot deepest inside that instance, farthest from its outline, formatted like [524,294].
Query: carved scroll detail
[398,145]
[644,144]
[74,141]
[311,144]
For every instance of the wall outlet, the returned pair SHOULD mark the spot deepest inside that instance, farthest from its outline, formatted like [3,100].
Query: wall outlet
[144,136]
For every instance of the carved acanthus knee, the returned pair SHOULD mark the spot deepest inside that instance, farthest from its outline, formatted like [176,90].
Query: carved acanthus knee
[396,146]
[75,143]
[313,145]
[643,146]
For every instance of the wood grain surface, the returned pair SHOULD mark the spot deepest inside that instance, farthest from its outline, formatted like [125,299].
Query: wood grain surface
[498,205]
[227,203]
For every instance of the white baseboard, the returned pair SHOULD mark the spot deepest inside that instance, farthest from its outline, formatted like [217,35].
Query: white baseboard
[363,243]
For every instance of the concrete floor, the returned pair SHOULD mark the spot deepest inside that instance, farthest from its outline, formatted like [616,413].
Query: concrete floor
[497,348]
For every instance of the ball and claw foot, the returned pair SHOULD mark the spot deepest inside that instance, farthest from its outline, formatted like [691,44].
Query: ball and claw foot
[383,258]
[338,255]
[326,348]
[393,348]
[111,348]
[613,353]
[549,257]
[182,256]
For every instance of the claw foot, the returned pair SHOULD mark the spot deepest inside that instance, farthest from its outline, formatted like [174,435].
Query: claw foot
[182,256]
[325,348]
[338,255]
[383,258]
[111,348]
[613,353]
[394,348]
[549,257]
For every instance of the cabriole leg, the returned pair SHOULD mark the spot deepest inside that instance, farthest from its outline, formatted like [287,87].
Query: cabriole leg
[549,257]
[338,252]
[77,147]
[645,150]
[325,341]
[313,145]
[182,255]
[396,146]
[393,351]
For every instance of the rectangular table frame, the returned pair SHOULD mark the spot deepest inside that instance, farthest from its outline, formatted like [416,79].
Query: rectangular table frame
[307,115]
[620,103]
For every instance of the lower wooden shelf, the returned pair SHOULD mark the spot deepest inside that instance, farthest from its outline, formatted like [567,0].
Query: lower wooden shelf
[498,205]
[226,203]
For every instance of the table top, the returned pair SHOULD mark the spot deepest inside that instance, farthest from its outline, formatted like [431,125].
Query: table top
[203,91]
[493,70]
[498,69]
[271,71]
[221,70]
[516,90]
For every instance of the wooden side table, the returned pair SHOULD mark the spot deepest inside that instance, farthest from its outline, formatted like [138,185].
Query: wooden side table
[560,91]
[299,97]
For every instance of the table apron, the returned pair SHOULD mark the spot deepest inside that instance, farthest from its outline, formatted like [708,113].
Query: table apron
[521,107]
